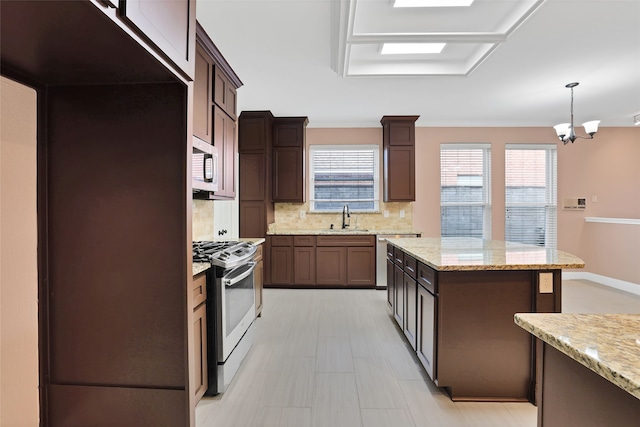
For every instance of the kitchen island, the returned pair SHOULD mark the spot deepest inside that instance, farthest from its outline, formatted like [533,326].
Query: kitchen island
[455,299]
[589,368]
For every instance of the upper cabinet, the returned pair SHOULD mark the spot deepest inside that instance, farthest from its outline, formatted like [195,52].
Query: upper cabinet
[169,25]
[214,111]
[289,159]
[398,142]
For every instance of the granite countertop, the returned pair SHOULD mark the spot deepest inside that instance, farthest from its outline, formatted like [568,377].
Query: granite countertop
[607,344]
[467,254]
[339,232]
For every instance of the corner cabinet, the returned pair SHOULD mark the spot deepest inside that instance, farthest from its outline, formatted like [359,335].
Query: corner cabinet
[289,159]
[214,112]
[398,143]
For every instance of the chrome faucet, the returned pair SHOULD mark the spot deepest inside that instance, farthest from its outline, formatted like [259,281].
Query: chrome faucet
[346,221]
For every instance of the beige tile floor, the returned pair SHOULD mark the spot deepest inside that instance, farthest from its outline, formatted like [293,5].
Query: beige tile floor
[336,358]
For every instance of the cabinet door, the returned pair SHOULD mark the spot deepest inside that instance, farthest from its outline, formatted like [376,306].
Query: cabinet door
[202,96]
[331,266]
[252,219]
[224,138]
[361,266]
[224,94]
[288,175]
[304,265]
[402,133]
[281,265]
[169,25]
[200,350]
[258,279]
[255,132]
[390,284]
[400,175]
[410,318]
[252,176]
[426,330]
[398,309]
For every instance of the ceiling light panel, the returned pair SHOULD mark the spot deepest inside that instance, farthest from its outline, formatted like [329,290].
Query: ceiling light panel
[411,48]
[431,3]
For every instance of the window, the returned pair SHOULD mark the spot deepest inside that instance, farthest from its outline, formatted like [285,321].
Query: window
[465,190]
[344,175]
[531,194]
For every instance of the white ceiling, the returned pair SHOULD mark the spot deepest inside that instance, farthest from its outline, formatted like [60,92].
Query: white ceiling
[506,62]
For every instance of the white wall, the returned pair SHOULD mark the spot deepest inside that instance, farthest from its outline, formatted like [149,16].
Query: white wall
[19,402]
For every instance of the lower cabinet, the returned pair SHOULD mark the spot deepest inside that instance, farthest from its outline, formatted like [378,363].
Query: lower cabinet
[331,263]
[398,308]
[410,318]
[199,290]
[425,345]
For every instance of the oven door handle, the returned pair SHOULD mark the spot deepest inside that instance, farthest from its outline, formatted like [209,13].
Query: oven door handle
[238,274]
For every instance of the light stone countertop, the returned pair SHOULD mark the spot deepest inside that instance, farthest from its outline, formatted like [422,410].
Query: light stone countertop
[468,254]
[339,232]
[607,344]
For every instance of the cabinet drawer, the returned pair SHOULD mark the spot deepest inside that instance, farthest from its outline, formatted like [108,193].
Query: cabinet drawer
[281,240]
[345,240]
[427,277]
[410,266]
[304,240]
[199,289]
[390,252]
[398,257]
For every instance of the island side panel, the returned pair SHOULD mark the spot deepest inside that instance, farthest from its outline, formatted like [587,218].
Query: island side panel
[482,354]
[573,395]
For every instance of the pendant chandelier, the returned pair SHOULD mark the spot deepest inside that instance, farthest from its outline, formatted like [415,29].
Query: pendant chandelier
[566,131]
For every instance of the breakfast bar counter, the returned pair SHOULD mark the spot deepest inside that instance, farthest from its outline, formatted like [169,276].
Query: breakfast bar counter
[455,299]
[589,368]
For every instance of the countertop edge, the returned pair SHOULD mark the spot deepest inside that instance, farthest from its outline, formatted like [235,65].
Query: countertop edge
[583,358]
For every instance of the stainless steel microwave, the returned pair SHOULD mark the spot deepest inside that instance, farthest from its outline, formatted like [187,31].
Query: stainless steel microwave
[204,166]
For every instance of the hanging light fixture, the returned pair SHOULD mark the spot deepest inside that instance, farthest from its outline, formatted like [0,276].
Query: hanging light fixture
[566,132]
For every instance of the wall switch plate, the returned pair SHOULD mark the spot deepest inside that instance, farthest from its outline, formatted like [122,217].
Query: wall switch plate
[401,214]
[545,283]
[303,214]
[385,213]
[594,199]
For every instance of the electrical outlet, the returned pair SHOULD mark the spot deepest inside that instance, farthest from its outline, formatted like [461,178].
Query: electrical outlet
[385,213]
[594,199]
[303,214]
[401,214]
[545,283]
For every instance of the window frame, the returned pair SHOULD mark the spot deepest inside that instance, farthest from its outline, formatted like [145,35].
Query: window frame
[486,202]
[375,148]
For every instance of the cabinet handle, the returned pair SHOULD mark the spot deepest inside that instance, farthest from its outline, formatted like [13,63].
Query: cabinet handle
[398,259]
[410,269]
[425,279]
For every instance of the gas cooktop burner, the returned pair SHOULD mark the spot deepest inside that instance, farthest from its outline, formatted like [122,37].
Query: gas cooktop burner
[223,254]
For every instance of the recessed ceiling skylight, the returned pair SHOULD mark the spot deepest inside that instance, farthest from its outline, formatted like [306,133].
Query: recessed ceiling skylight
[411,48]
[431,3]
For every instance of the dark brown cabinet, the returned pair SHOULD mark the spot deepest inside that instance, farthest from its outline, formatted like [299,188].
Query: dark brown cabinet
[165,24]
[361,266]
[225,94]
[199,290]
[281,260]
[255,132]
[398,143]
[331,263]
[224,138]
[304,260]
[202,123]
[289,159]
[410,317]
[426,319]
[390,284]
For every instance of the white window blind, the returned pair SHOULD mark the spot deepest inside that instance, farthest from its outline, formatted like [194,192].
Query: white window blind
[531,194]
[465,190]
[344,175]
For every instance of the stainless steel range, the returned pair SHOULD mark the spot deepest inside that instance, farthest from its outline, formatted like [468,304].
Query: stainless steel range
[230,307]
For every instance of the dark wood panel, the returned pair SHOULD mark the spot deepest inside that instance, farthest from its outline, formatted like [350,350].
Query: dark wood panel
[200,351]
[288,175]
[427,330]
[199,289]
[116,175]
[427,278]
[252,176]
[361,266]
[289,131]
[330,266]
[304,265]
[410,266]
[482,354]
[281,265]
[345,240]
[399,130]
[400,182]
[390,284]
[277,240]
[259,279]
[410,307]
[252,219]
[202,96]
[224,138]
[398,309]
[74,405]
[255,131]
[573,395]
[304,240]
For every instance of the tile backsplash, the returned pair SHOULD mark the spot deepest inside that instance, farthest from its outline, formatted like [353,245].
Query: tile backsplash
[202,220]
[287,216]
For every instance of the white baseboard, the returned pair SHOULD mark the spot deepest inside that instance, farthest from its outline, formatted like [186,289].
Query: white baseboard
[633,288]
